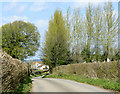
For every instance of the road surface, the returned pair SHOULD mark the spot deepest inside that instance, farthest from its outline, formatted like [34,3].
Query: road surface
[61,85]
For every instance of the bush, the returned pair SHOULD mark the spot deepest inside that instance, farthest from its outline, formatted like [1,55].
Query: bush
[14,72]
[24,87]
[107,70]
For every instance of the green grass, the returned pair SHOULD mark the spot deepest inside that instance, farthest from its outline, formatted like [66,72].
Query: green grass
[24,87]
[36,75]
[106,84]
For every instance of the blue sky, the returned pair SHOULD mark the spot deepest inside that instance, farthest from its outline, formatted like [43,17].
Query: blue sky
[39,13]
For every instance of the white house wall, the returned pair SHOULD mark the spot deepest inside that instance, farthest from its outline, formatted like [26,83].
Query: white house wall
[35,66]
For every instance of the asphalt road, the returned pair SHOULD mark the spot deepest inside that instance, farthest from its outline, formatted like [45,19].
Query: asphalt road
[61,85]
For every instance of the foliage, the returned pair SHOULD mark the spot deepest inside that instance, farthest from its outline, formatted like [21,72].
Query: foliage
[110,30]
[77,35]
[76,39]
[20,39]
[97,34]
[106,70]
[93,36]
[89,25]
[86,55]
[24,87]
[36,75]
[56,47]
[14,72]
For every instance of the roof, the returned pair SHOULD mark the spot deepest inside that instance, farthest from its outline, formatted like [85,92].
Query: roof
[40,62]
[40,66]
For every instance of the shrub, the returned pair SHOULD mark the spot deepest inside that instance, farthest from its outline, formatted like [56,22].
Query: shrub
[106,70]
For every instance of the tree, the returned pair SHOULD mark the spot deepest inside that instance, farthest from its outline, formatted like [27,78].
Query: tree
[97,32]
[20,39]
[0,38]
[56,47]
[77,35]
[69,34]
[89,24]
[86,54]
[68,26]
[110,29]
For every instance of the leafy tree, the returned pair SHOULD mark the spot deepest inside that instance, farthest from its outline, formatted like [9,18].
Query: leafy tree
[97,32]
[20,39]
[78,35]
[86,55]
[68,26]
[56,47]
[90,38]
[110,29]
[89,24]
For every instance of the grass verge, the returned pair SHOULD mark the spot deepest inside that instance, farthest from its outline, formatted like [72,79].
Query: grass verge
[106,84]
[24,87]
[36,75]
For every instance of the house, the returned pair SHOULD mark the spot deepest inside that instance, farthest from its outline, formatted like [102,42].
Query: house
[35,64]
[44,67]
[39,66]
[108,60]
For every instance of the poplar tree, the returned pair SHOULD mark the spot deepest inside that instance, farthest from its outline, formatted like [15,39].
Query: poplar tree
[68,25]
[77,35]
[97,33]
[56,44]
[110,29]
[89,25]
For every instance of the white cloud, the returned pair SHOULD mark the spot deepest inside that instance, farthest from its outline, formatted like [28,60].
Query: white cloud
[42,26]
[13,18]
[15,6]
[83,5]
[38,6]
[21,9]
[80,5]
[42,23]
[10,6]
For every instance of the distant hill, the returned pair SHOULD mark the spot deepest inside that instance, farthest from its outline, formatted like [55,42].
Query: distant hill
[36,60]
[32,60]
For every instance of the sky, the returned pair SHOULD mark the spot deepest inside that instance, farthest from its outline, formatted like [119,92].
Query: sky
[39,12]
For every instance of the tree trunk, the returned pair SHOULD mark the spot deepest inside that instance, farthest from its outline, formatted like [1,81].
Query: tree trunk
[50,70]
